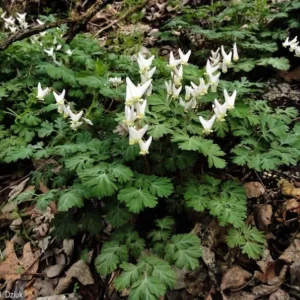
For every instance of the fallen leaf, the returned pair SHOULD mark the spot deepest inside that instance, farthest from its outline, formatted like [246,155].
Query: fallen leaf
[288,188]
[292,253]
[68,248]
[263,216]
[234,278]
[295,273]
[55,270]
[17,189]
[238,296]
[44,286]
[263,290]
[254,189]
[61,297]
[81,271]
[279,295]
[13,268]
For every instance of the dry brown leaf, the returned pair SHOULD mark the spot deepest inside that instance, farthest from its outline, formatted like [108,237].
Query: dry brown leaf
[238,296]
[81,271]
[292,253]
[263,216]
[61,297]
[288,188]
[279,295]
[254,189]
[55,270]
[17,189]
[263,290]
[13,268]
[234,278]
[44,286]
[295,273]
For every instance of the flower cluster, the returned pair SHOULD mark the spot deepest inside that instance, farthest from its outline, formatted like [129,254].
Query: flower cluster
[215,64]
[135,105]
[293,44]
[62,108]
[15,24]
[56,46]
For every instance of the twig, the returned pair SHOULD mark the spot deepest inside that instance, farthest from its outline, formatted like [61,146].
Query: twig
[130,11]
[76,24]
[45,163]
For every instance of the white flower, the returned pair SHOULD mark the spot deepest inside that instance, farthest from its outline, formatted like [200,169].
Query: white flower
[75,117]
[61,108]
[130,115]
[144,64]
[3,15]
[214,81]
[220,110]
[40,22]
[226,57]
[75,125]
[199,90]
[173,62]
[215,54]
[188,92]
[41,94]
[216,61]
[224,67]
[188,105]
[43,33]
[54,41]
[59,97]
[50,52]
[211,69]
[115,80]
[168,85]
[58,47]
[176,91]
[147,75]
[293,46]
[69,52]
[177,75]
[140,109]
[207,125]
[144,146]
[10,21]
[24,25]
[184,57]
[235,53]
[87,121]
[13,29]
[229,100]
[135,93]
[289,43]
[21,17]
[66,110]
[59,63]
[135,136]
[297,51]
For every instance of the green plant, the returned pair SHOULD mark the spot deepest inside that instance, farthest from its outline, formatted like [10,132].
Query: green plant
[95,173]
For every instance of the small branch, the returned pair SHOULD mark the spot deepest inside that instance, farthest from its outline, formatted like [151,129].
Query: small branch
[130,11]
[76,24]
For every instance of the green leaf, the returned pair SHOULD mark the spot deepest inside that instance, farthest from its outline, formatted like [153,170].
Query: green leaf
[161,187]
[70,199]
[137,199]
[117,216]
[280,63]
[196,197]
[184,250]
[147,288]
[248,238]
[91,221]
[111,255]
[79,162]
[46,129]
[99,181]
[159,130]
[122,173]
[129,275]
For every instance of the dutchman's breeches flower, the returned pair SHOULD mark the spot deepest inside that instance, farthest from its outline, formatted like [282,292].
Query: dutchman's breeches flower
[41,94]
[229,100]
[207,125]
[136,135]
